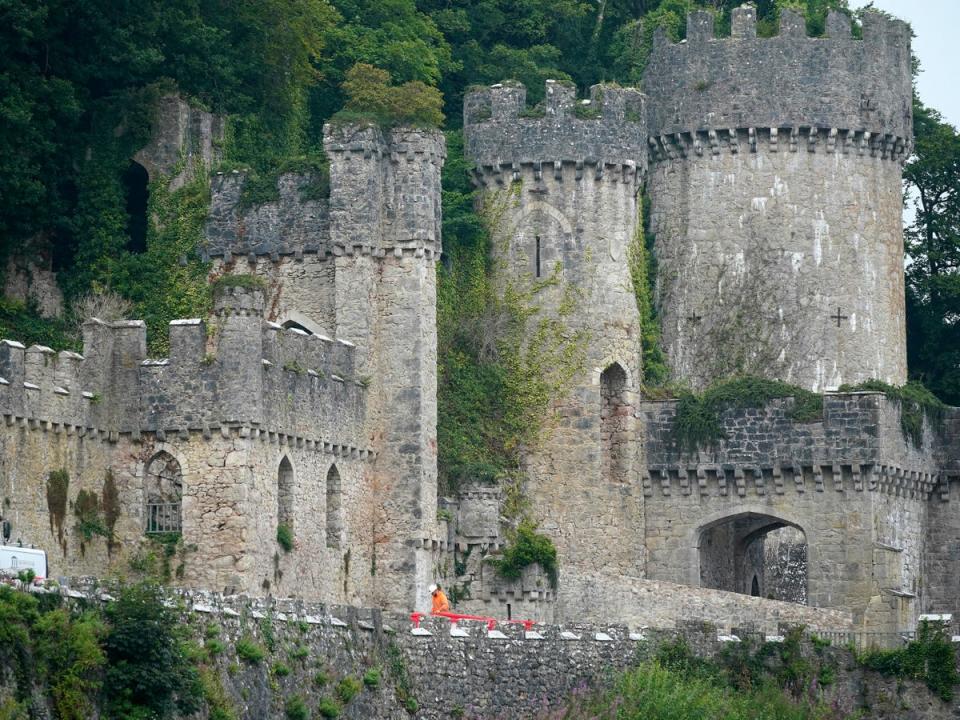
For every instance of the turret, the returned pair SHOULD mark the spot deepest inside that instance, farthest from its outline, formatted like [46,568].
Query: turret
[775,191]
[563,178]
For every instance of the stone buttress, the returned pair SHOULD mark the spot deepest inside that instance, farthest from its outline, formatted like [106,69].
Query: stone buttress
[560,196]
[776,199]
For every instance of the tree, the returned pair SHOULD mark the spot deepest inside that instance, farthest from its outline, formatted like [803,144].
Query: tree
[932,180]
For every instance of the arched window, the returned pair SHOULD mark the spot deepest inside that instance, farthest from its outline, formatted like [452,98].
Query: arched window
[163,492]
[285,494]
[334,508]
[614,423]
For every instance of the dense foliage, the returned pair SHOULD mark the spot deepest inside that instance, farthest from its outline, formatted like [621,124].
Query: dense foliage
[128,660]
[747,681]
[929,658]
[933,245]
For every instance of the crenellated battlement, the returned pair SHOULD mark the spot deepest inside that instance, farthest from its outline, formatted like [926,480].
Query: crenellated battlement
[235,371]
[380,201]
[609,129]
[837,84]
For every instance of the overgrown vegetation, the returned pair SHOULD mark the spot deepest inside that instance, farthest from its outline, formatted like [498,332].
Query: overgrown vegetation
[371,97]
[746,681]
[641,260]
[916,404]
[58,485]
[698,422]
[285,537]
[930,658]
[527,547]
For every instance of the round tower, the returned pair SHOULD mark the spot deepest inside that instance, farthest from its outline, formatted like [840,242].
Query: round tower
[560,185]
[776,199]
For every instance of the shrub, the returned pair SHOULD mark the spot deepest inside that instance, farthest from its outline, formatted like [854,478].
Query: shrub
[242,280]
[285,537]
[930,658]
[300,652]
[527,547]
[148,670]
[297,709]
[371,678]
[348,688]
[328,708]
[321,679]
[249,651]
[370,95]
[280,670]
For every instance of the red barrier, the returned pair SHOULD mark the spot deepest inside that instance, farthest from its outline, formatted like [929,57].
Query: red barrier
[457,617]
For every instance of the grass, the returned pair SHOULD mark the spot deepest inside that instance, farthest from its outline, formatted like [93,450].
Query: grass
[249,651]
[653,691]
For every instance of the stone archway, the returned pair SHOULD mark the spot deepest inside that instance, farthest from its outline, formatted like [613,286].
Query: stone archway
[753,553]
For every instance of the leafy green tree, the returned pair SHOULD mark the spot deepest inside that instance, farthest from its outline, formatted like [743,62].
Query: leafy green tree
[148,674]
[932,179]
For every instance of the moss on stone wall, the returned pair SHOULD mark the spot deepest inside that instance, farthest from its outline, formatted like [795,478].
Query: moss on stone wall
[916,404]
[698,422]
[58,485]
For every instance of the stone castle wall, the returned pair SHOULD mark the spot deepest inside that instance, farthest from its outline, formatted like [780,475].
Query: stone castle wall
[852,483]
[776,196]
[560,194]
[235,398]
[361,265]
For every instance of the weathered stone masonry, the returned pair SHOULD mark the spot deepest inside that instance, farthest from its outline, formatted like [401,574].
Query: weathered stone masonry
[564,189]
[235,399]
[776,199]
[361,265]
[862,494]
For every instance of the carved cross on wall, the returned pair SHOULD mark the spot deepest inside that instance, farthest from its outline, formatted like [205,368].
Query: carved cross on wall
[695,318]
[838,317]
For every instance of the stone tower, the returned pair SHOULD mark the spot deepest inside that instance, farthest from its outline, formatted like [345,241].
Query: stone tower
[360,266]
[776,199]
[560,188]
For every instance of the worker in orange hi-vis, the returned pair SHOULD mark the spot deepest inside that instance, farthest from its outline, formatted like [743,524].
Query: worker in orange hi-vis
[440,602]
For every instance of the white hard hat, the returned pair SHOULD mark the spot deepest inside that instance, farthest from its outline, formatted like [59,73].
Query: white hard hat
[432,588]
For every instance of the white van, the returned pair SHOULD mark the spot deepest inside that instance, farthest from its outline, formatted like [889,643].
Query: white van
[20,559]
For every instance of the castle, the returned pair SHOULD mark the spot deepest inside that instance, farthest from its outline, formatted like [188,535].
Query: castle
[773,168]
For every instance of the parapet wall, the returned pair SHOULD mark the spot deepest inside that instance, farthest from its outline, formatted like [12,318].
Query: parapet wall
[237,370]
[499,131]
[382,199]
[857,90]
[858,444]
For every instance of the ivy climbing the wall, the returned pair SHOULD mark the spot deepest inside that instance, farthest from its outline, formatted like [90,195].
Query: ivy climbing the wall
[916,404]
[698,422]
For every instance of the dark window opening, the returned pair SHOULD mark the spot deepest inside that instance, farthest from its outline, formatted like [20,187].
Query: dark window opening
[755,587]
[163,491]
[285,494]
[136,189]
[537,259]
[615,424]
